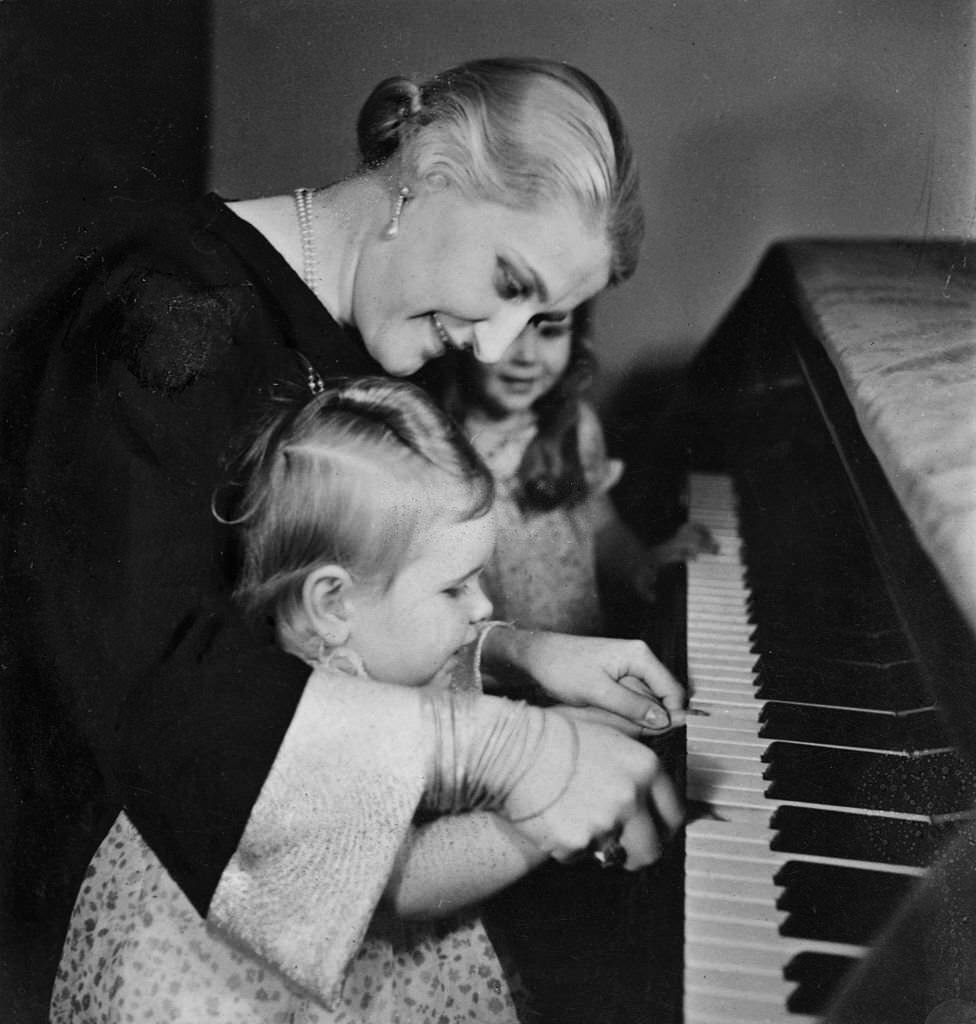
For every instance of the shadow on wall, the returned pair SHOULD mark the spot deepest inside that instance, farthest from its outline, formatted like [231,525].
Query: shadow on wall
[734,185]
[737,186]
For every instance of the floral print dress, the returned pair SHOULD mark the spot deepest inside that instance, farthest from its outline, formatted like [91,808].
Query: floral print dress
[543,574]
[137,951]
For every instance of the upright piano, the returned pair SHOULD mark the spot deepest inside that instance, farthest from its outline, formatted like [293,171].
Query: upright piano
[831,871]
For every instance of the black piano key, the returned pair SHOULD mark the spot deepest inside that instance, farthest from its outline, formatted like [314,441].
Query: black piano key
[837,904]
[818,977]
[852,727]
[852,836]
[891,686]
[932,784]
[806,881]
[780,627]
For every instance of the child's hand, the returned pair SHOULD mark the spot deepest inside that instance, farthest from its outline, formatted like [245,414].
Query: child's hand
[687,543]
[591,671]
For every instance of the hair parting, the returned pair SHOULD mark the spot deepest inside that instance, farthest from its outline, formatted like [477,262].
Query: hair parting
[523,132]
[349,477]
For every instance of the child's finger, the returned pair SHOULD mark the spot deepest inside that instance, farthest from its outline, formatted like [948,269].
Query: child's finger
[704,538]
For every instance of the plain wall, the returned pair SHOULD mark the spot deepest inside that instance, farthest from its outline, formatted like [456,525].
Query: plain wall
[753,120]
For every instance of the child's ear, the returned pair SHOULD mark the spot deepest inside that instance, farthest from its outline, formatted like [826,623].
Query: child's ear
[324,594]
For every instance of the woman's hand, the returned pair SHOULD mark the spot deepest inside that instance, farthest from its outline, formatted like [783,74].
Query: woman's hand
[611,787]
[617,676]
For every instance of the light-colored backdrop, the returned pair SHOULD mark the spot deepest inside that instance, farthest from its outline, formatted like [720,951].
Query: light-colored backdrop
[753,120]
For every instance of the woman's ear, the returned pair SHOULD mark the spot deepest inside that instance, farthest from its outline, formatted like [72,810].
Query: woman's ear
[324,596]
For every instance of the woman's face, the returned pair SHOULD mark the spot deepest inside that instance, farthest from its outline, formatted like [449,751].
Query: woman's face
[529,369]
[468,274]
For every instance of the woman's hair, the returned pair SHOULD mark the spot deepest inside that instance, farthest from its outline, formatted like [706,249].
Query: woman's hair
[349,478]
[551,472]
[522,132]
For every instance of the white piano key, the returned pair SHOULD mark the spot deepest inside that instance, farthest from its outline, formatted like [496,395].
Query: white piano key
[740,912]
[718,1008]
[734,954]
[715,885]
[724,751]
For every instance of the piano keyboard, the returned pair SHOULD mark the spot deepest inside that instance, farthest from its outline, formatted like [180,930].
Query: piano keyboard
[786,878]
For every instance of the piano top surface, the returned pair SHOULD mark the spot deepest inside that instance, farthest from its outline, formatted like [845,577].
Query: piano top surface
[898,321]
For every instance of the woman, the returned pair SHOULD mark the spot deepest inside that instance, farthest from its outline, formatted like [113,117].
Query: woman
[493,193]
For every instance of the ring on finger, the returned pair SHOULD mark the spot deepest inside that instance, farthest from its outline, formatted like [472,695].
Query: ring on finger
[611,853]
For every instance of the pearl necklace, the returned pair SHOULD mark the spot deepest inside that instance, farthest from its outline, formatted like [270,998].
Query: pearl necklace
[310,262]
[310,274]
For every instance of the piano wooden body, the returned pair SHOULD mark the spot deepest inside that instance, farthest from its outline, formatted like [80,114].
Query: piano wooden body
[833,643]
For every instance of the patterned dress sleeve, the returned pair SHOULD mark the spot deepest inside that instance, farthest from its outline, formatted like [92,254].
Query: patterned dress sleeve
[602,473]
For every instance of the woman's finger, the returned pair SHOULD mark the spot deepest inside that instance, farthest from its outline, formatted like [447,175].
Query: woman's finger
[667,804]
[641,841]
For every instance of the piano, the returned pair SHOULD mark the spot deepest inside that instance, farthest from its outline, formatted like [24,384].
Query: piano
[830,871]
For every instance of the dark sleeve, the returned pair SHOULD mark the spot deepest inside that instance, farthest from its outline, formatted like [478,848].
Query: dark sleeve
[147,381]
[199,734]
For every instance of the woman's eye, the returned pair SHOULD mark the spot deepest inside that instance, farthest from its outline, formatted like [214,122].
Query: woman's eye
[509,286]
[557,326]
[552,329]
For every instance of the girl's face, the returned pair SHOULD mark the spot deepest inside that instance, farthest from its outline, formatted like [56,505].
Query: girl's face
[466,274]
[408,632]
[528,370]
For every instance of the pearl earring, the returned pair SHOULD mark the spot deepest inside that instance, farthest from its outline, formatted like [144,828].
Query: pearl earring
[393,228]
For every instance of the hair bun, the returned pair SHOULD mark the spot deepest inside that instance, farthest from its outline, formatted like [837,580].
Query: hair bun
[391,103]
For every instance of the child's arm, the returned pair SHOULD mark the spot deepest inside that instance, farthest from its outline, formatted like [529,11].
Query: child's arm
[456,860]
[622,556]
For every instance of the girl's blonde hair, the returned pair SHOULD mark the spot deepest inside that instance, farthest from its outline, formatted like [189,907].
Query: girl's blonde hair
[349,478]
[522,132]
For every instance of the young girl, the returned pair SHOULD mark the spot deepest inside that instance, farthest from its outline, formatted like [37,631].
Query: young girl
[558,532]
[365,521]
[582,941]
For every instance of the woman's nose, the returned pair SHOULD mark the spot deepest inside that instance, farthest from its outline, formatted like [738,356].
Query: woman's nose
[493,337]
[523,349]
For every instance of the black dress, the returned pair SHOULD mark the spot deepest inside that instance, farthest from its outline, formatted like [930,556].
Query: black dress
[147,368]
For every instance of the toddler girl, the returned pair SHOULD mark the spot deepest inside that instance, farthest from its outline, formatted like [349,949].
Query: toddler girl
[365,521]
[558,532]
